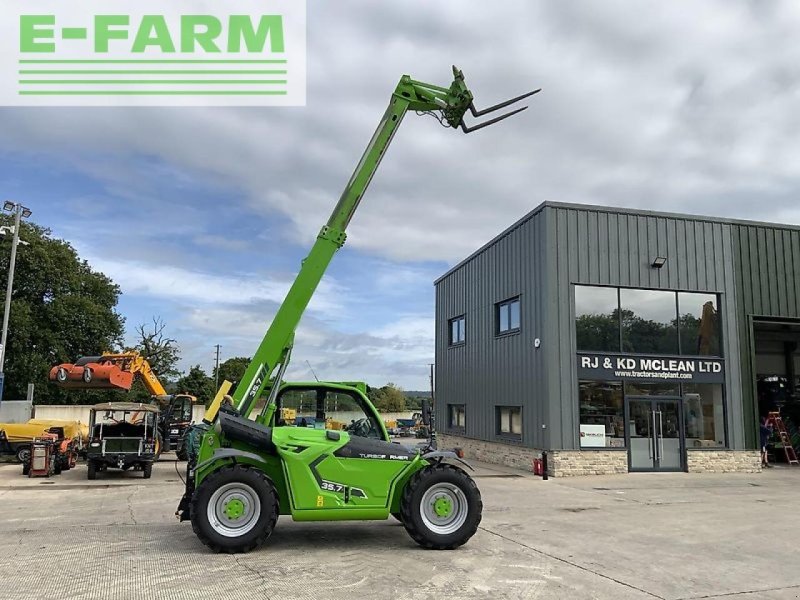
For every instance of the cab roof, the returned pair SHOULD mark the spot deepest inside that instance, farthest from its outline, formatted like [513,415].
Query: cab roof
[126,406]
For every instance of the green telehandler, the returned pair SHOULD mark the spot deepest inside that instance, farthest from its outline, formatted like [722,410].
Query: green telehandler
[243,473]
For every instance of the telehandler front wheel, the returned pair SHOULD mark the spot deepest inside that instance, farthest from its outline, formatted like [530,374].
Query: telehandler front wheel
[441,507]
[234,510]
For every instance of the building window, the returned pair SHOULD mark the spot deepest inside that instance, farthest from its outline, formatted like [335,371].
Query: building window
[458,332]
[637,321]
[597,318]
[699,324]
[649,321]
[508,315]
[509,421]
[602,414]
[704,415]
[458,416]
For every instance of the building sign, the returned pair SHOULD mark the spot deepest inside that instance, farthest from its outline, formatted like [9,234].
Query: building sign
[593,436]
[651,368]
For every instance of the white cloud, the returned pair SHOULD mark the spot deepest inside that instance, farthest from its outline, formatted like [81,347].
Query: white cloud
[199,288]
[680,106]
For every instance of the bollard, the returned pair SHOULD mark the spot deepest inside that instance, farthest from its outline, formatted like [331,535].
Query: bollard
[544,466]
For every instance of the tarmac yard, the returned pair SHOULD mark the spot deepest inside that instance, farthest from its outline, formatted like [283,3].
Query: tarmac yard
[668,536]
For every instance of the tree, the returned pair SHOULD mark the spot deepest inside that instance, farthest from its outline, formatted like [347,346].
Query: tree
[197,383]
[388,398]
[160,351]
[61,309]
[233,370]
[162,354]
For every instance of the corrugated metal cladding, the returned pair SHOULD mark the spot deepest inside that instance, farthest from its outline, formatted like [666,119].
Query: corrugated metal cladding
[603,246]
[489,370]
[754,267]
[768,285]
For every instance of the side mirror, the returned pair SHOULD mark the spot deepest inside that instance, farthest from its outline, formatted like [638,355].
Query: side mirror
[426,412]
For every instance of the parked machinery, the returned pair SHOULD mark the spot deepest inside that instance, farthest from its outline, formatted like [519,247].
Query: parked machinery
[43,458]
[17,438]
[61,453]
[118,371]
[123,437]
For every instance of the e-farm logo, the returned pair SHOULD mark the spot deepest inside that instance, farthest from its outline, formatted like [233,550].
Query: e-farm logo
[152,52]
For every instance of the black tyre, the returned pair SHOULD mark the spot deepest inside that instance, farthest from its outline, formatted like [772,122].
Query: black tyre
[441,507]
[182,451]
[87,375]
[159,445]
[61,375]
[234,509]
[23,454]
[91,470]
[147,470]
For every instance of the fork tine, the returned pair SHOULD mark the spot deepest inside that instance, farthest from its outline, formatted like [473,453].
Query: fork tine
[467,129]
[479,113]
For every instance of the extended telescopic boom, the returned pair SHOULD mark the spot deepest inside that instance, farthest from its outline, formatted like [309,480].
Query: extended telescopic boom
[449,105]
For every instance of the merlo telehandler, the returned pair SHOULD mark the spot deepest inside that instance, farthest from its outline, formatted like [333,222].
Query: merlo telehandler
[243,473]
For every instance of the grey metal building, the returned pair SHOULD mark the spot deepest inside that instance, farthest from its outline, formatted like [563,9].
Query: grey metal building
[620,340]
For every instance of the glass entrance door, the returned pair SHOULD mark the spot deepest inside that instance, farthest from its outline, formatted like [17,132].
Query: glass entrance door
[655,434]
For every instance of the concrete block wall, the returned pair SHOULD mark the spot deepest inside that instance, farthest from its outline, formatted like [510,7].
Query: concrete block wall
[569,463]
[80,412]
[561,463]
[723,461]
[509,455]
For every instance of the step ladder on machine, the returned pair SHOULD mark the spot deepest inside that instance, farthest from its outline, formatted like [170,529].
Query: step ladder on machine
[774,419]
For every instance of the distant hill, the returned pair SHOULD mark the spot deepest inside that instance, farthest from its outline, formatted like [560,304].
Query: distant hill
[417,394]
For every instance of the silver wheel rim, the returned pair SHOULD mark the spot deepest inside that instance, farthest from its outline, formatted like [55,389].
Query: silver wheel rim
[219,513]
[438,494]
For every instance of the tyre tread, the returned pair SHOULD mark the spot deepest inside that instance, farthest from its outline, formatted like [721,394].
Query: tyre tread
[406,506]
[255,543]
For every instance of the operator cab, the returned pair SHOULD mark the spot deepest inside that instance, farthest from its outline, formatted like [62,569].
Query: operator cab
[181,408]
[321,407]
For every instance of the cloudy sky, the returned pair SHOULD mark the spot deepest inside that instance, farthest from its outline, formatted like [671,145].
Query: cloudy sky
[203,215]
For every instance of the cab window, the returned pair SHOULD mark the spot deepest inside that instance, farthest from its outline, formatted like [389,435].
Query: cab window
[321,408]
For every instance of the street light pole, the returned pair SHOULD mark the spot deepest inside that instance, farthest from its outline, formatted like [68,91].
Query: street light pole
[18,214]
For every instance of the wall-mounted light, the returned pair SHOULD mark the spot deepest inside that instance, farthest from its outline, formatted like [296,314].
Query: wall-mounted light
[658,262]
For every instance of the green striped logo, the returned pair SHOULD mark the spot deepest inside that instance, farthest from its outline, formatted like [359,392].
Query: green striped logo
[253,53]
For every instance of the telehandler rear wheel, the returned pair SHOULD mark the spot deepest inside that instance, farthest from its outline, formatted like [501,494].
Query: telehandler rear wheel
[441,507]
[234,510]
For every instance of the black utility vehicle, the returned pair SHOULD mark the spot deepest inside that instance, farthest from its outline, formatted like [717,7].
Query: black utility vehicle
[123,435]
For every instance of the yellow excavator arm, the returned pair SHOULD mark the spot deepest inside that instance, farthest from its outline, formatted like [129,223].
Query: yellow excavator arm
[108,371]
